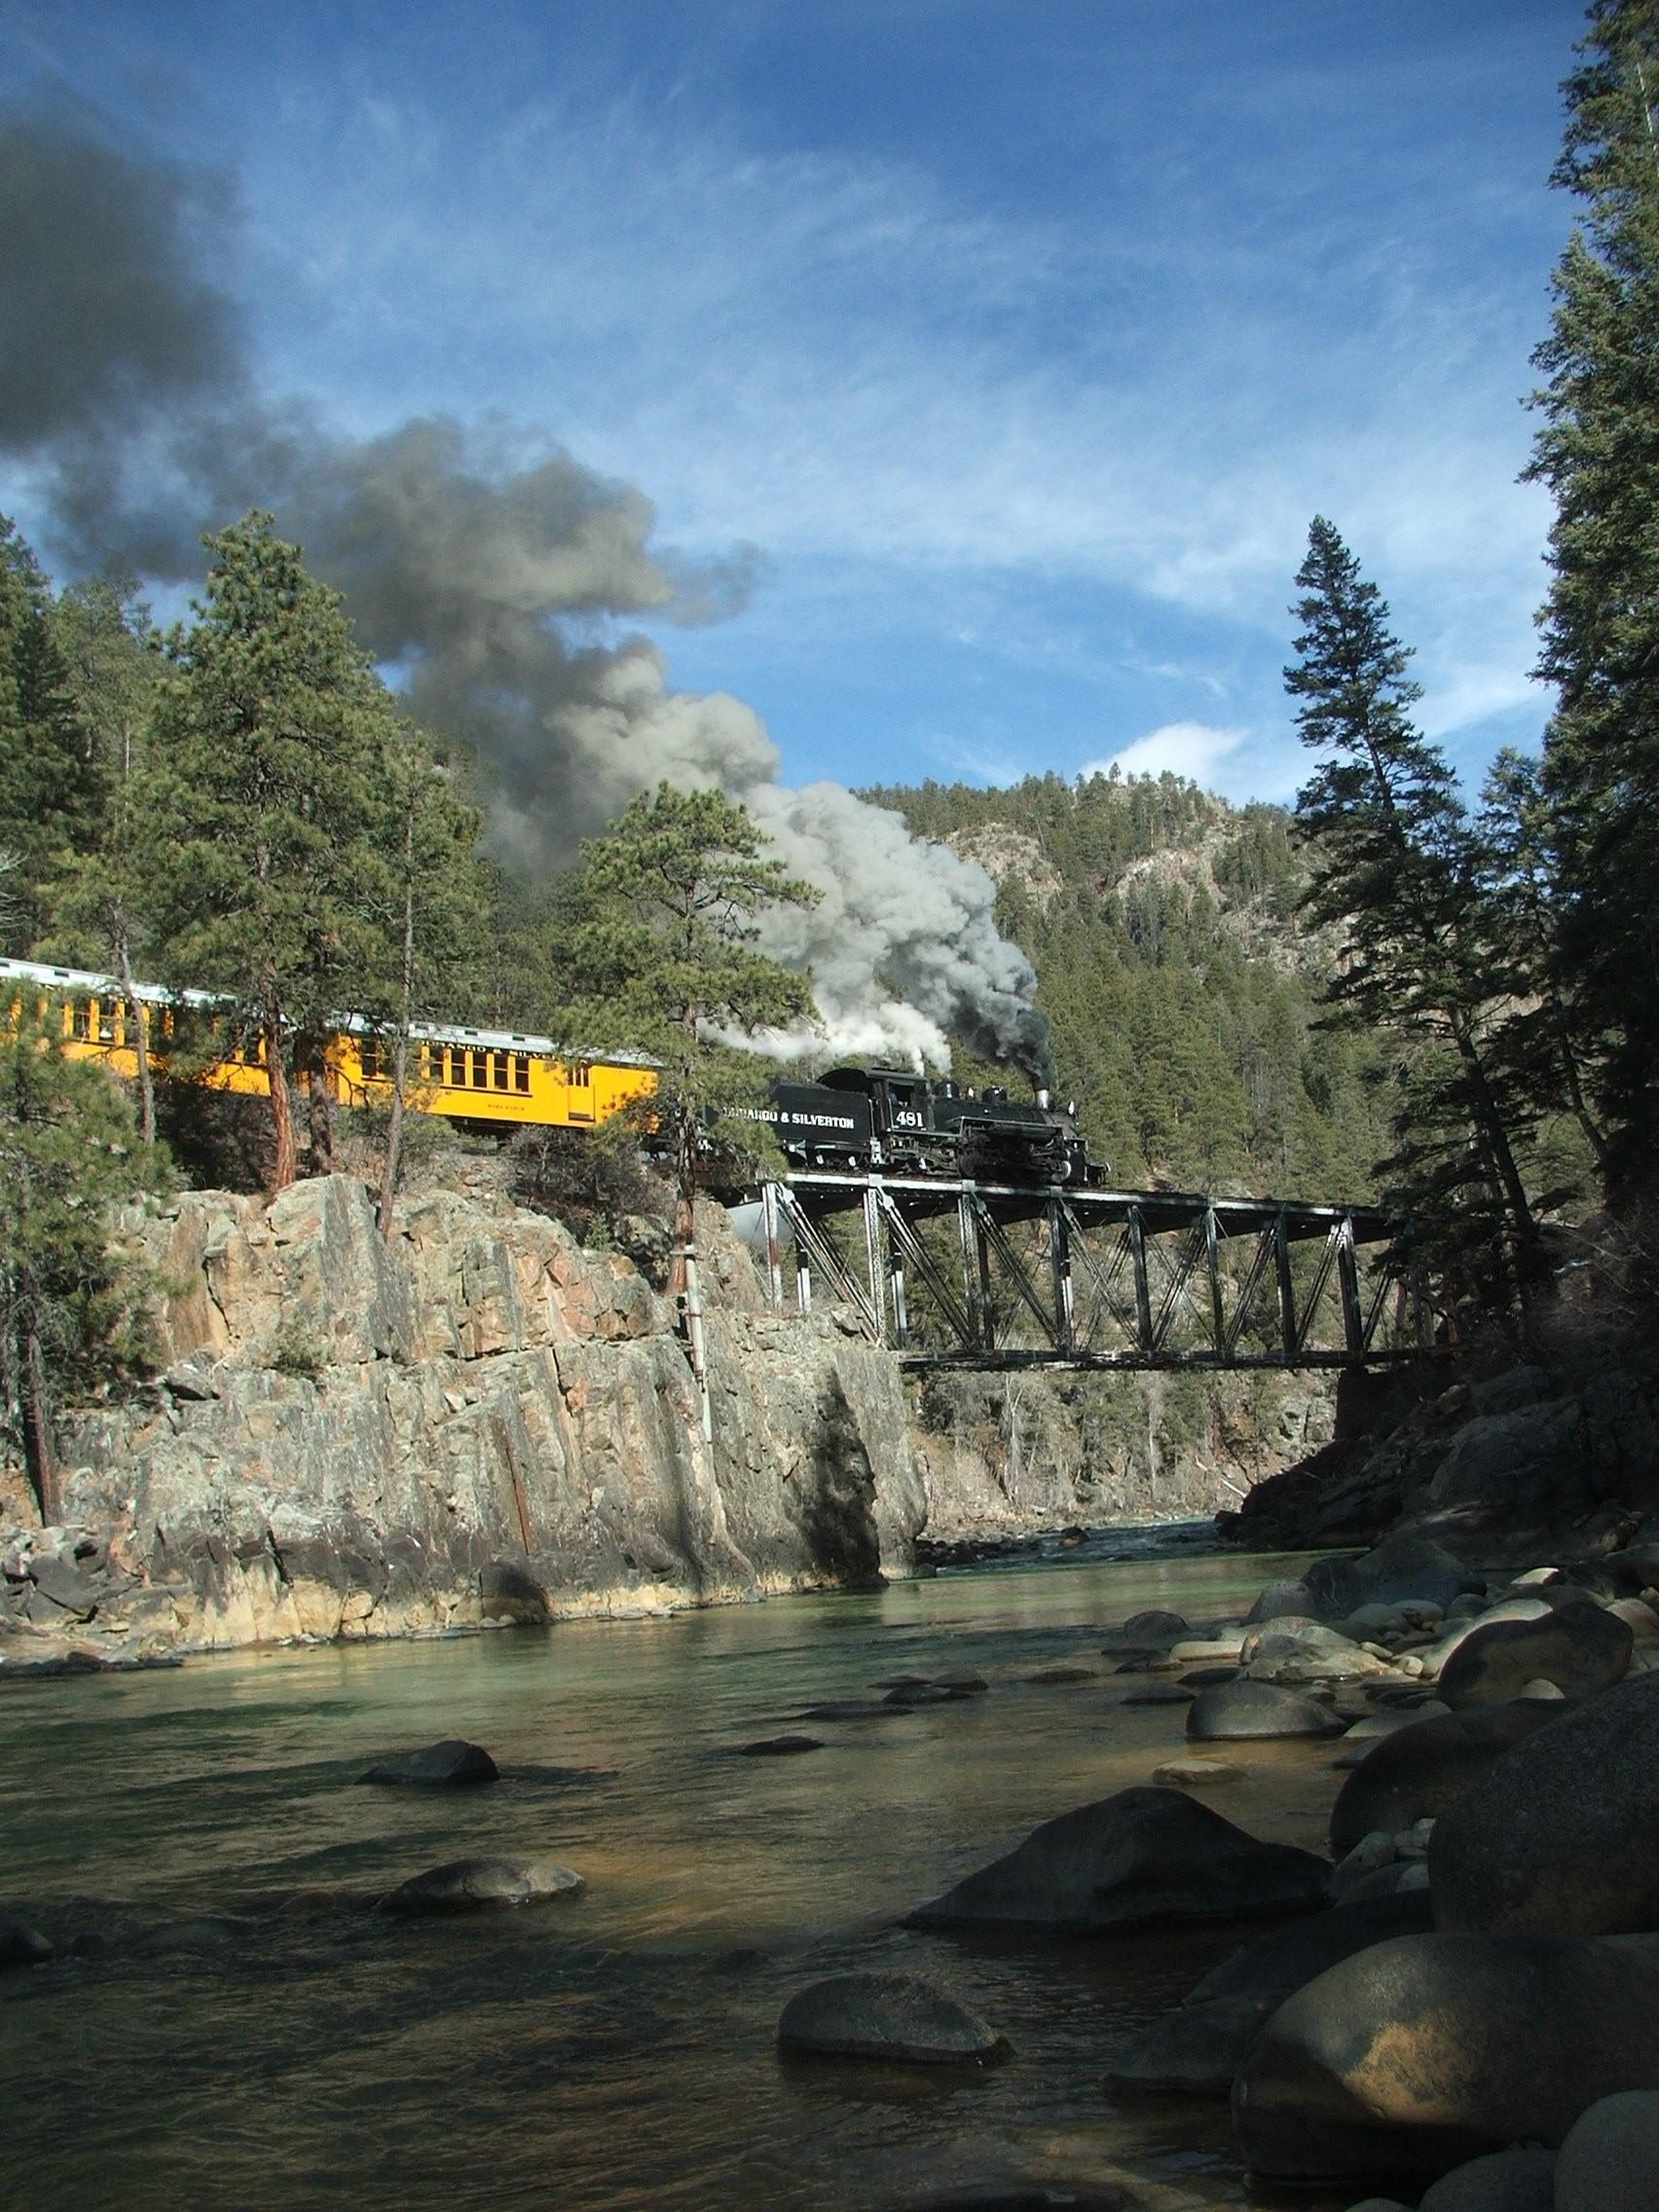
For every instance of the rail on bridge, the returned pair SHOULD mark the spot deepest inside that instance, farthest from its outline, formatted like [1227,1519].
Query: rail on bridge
[995,1275]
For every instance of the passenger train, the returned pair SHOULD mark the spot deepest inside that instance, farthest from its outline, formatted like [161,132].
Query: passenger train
[861,1119]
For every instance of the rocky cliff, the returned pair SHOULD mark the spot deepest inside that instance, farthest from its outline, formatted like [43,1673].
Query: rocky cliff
[479,1422]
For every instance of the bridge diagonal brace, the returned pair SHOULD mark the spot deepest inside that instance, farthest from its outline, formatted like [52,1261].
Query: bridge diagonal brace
[918,1255]
[992,1229]
[1252,1283]
[1310,1305]
[824,1256]
[1104,1281]
[1194,1248]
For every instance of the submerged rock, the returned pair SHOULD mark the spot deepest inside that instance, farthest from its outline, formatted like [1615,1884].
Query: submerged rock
[1143,1857]
[893,2016]
[1237,1712]
[781,1747]
[22,1945]
[453,1764]
[481,1885]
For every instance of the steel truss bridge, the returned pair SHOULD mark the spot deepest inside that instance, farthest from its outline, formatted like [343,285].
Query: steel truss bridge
[995,1275]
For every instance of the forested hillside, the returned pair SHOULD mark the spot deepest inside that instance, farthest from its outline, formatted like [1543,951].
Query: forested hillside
[1184,993]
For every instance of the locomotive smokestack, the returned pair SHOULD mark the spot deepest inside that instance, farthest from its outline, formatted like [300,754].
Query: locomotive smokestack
[1043,1096]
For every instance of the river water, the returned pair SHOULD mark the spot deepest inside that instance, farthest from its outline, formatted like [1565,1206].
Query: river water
[236,2030]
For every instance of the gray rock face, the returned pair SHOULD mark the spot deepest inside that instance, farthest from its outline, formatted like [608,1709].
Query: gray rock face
[452,1764]
[890,2016]
[492,1424]
[1236,1711]
[1578,1647]
[1143,1857]
[1416,1773]
[481,1885]
[1520,2180]
[1610,2160]
[1558,1835]
[1418,2054]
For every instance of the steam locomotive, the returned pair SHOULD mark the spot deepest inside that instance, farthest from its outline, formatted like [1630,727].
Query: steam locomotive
[901,1122]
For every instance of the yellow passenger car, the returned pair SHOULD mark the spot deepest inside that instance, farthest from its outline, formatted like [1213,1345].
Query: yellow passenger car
[466,1075]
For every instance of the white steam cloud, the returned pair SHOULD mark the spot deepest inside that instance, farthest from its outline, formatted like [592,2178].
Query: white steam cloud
[478,576]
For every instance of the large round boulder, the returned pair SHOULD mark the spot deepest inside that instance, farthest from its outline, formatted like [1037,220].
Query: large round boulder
[1144,1857]
[1417,1772]
[1275,1965]
[1418,2054]
[1609,2161]
[1557,1836]
[886,2015]
[453,1764]
[1398,1570]
[1194,2051]
[1518,2180]
[481,1885]
[1579,1647]
[1236,1711]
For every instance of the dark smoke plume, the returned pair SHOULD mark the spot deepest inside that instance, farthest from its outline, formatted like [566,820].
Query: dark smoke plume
[130,408]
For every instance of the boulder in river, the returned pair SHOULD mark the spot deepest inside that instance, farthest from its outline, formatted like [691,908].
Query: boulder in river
[22,1945]
[1237,1712]
[1144,1857]
[781,1747]
[1517,2180]
[481,1885]
[1609,2160]
[1297,1650]
[1418,1771]
[1557,1836]
[1194,2051]
[453,1764]
[1579,1646]
[1275,1965]
[889,2016]
[1398,1570]
[1415,2055]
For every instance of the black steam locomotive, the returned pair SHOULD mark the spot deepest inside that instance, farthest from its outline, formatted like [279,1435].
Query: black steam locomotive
[903,1123]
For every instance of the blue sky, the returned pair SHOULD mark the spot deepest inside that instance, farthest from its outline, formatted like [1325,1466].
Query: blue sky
[1022,338]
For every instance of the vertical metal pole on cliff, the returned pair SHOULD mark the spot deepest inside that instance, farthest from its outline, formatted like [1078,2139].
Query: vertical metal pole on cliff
[694,1337]
[875,1263]
[774,1250]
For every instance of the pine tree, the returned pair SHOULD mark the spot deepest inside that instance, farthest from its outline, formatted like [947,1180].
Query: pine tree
[665,962]
[274,737]
[112,676]
[1395,866]
[49,785]
[72,1308]
[1599,453]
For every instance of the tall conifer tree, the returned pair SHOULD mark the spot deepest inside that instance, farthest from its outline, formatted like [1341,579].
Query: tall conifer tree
[273,741]
[1599,453]
[1396,866]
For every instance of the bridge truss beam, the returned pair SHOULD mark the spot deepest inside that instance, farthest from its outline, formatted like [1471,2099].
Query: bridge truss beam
[963,1274]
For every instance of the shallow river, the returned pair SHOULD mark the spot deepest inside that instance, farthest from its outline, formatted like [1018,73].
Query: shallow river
[241,2032]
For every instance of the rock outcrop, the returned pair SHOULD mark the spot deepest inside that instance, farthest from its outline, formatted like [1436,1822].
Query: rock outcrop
[479,1422]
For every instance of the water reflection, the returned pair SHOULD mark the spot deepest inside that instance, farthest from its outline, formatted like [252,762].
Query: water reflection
[241,2031]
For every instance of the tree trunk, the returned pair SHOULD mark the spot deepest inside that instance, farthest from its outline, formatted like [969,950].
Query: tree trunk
[319,1106]
[1532,1266]
[136,1022]
[1581,1114]
[284,1164]
[40,1456]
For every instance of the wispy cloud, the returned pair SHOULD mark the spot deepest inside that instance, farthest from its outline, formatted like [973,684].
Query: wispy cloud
[1194,750]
